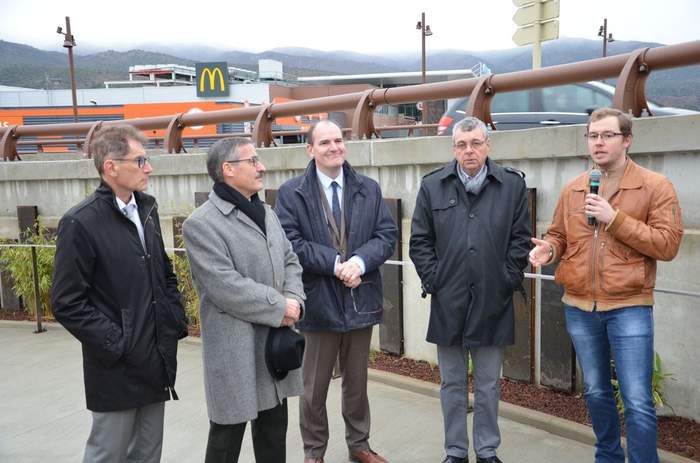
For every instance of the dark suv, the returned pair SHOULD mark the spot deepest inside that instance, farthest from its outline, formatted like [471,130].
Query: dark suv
[546,107]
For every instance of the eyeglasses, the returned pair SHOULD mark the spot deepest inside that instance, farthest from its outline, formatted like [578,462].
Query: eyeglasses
[140,161]
[605,136]
[476,144]
[253,160]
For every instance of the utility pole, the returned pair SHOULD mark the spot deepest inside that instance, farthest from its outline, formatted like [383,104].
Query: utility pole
[607,37]
[69,43]
[424,32]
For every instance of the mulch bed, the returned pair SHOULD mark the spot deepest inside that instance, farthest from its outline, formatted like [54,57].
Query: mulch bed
[17,315]
[675,434]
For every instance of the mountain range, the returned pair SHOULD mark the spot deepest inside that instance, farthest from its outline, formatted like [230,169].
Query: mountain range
[26,66]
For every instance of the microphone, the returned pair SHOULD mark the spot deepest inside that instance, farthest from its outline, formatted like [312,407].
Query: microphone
[595,184]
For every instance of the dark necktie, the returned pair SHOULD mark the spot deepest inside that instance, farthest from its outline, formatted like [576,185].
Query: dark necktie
[335,207]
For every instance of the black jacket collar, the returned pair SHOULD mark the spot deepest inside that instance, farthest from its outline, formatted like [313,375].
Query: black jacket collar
[144,201]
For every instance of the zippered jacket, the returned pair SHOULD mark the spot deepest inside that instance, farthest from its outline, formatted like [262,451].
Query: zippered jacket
[371,235]
[120,301]
[614,266]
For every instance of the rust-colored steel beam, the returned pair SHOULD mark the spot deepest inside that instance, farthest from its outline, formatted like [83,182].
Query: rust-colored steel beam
[363,117]
[51,142]
[480,101]
[173,135]
[8,144]
[90,135]
[612,66]
[262,130]
[629,91]
[406,127]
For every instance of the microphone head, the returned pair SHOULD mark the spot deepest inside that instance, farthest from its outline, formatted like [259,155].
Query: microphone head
[595,176]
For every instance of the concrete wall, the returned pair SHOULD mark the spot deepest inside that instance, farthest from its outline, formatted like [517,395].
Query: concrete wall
[549,157]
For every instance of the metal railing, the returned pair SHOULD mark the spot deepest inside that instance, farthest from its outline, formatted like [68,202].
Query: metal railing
[37,291]
[631,71]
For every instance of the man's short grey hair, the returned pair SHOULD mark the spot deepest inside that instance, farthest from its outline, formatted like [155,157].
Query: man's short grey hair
[113,143]
[222,151]
[468,124]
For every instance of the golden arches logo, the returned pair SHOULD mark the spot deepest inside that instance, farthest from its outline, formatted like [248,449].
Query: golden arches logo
[212,79]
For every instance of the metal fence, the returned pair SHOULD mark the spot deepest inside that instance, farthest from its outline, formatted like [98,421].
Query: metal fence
[37,291]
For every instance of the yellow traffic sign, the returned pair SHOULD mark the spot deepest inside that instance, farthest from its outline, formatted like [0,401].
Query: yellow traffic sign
[528,14]
[525,35]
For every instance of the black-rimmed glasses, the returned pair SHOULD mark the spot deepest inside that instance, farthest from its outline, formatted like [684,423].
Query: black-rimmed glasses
[253,160]
[475,144]
[140,161]
[605,136]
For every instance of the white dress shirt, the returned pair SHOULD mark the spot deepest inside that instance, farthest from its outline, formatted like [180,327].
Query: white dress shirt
[131,210]
[326,183]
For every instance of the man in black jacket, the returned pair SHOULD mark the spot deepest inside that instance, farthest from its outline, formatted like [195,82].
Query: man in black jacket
[470,243]
[342,232]
[115,291]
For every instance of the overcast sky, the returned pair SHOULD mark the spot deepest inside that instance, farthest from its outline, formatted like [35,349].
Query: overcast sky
[357,25]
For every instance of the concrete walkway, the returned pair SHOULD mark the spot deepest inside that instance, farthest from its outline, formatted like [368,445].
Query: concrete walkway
[43,415]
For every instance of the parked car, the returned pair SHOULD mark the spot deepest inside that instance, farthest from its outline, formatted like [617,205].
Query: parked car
[546,107]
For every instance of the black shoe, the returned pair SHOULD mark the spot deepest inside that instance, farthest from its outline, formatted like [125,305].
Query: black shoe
[451,459]
[493,459]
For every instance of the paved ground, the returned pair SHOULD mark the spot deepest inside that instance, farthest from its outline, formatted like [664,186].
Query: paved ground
[43,416]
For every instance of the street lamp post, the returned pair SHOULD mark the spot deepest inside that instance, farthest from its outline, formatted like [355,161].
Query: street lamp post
[603,32]
[69,43]
[424,32]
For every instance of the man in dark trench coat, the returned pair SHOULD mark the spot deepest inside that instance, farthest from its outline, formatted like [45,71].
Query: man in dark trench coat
[469,244]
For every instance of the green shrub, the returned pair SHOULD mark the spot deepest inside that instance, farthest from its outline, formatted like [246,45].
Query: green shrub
[657,379]
[18,261]
[181,267]
[373,355]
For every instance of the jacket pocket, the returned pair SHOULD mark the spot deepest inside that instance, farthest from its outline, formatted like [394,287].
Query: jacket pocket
[622,271]
[511,285]
[174,315]
[367,298]
[573,271]
[444,214]
[437,277]
[127,333]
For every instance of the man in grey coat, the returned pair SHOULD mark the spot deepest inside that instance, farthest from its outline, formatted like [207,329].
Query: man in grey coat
[248,280]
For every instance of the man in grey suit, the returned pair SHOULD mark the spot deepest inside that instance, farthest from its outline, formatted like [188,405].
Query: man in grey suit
[248,280]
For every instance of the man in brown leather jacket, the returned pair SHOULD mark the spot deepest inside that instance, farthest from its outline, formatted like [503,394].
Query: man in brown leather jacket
[608,271]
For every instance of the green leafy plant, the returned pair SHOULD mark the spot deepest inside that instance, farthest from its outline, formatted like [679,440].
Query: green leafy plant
[657,382]
[18,261]
[373,355]
[181,267]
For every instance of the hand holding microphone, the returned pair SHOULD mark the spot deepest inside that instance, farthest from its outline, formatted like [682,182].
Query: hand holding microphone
[594,185]
[597,208]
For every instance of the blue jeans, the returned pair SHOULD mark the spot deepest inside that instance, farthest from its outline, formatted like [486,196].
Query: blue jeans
[627,334]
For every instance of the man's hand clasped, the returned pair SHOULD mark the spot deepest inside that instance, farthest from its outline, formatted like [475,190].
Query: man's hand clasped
[349,273]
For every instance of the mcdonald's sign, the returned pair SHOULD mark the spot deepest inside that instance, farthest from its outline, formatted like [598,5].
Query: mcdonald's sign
[212,79]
